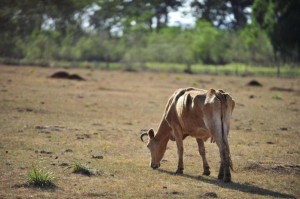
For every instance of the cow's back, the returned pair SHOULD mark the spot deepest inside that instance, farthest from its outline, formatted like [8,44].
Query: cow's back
[198,111]
[188,111]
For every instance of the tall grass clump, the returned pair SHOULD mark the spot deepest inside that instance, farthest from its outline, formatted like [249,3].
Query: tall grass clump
[39,177]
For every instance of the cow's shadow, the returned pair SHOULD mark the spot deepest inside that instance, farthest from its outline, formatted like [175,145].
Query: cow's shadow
[243,187]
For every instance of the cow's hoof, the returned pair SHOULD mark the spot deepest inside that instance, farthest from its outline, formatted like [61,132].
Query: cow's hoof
[206,173]
[179,171]
[227,180]
[227,177]
[220,176]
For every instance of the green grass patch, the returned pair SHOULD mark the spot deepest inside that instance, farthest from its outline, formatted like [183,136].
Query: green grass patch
[78,168]
[165,67]
[229,69]
[39,177]
[276,96]
[248,70]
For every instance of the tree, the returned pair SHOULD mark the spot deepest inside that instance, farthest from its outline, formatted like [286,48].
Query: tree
[219,12]
[125,14]
[19,19]
[206,40]
[281,20]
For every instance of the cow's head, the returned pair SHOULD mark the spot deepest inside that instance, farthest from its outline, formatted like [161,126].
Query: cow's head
[157,149]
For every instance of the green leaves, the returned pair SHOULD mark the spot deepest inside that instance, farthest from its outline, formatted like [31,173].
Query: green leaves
[137,31]
[39,177]
[280,20]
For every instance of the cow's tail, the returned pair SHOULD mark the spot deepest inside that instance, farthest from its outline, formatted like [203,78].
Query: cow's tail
[224,100]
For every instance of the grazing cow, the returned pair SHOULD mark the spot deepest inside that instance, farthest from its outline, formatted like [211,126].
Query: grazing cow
[201,114]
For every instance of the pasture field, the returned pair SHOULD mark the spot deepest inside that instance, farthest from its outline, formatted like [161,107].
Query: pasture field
[56,123]
[228,69]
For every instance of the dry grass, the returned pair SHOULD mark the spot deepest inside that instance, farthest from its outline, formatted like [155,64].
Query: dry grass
[97,123]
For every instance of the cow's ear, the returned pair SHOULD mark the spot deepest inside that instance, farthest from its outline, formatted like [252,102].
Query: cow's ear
[151,133]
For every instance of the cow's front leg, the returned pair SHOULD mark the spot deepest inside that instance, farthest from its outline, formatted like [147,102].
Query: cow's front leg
[180,167]
[179,143]
[201,147]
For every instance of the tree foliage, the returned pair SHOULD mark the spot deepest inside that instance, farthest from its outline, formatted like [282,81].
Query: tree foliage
[219,12]
[281,21]
[138,31]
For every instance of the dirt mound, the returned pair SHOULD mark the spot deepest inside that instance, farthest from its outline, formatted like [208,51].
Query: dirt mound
[282,89]
[254,83]
[210,195]
[65,75]
[271,166]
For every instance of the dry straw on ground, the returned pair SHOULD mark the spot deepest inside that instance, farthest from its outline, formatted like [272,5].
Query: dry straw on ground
[97,122]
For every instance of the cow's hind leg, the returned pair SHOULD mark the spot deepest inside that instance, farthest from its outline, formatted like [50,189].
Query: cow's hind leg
[224,172]
[201,147]
[221,172]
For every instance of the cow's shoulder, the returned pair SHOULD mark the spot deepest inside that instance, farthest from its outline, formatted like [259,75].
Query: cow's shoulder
[170,111]
[180,97]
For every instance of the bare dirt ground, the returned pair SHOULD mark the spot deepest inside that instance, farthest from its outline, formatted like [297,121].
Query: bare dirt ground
[97,122]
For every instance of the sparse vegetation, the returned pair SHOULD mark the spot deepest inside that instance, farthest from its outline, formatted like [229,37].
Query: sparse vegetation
[277,96]
[39,177]
[47,119]
[78,168]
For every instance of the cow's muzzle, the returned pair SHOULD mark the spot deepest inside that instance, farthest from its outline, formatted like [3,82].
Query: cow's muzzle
[154,166]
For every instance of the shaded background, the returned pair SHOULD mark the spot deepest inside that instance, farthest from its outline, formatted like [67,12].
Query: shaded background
[138,33]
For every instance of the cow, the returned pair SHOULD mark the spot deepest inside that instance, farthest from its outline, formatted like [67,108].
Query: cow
[201,114]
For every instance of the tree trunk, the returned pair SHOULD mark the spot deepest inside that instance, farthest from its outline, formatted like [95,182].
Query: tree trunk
[107,65]
[277,64]
[188,68]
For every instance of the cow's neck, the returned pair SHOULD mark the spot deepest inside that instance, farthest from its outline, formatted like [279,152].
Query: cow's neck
[163,134]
